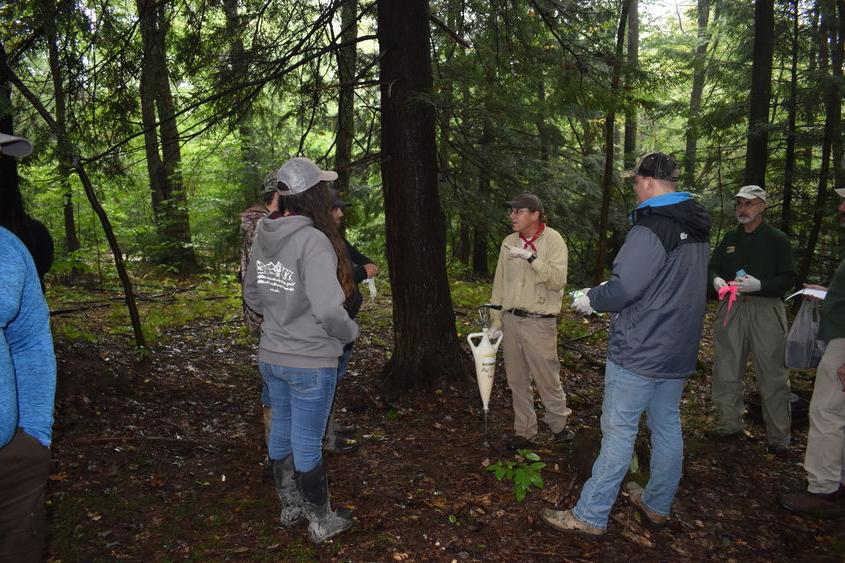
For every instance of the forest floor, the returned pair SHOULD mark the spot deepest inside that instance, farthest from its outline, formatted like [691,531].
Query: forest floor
[163,459]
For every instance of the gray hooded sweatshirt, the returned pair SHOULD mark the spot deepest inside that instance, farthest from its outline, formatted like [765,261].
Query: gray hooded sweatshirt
[291,280]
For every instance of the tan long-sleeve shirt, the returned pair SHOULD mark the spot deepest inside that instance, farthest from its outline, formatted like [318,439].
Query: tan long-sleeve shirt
[534,287]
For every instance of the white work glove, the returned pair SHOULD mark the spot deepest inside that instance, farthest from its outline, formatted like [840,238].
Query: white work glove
[748,284]
[582,305]
[494,333]
[719,283]
[516,252]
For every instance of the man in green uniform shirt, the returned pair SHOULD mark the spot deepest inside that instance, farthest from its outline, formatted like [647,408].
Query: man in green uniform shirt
[757,259]
[825,457]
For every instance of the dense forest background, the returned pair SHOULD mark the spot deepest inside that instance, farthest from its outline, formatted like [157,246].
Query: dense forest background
[168,114]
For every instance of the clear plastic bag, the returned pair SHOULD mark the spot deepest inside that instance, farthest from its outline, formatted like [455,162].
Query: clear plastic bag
[804,350]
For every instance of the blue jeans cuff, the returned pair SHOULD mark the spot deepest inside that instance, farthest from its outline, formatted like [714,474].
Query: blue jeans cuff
[587,521]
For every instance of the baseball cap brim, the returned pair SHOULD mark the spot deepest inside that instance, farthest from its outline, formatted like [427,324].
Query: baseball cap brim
[14,146]
[628,173]
[328,175]
[840,192]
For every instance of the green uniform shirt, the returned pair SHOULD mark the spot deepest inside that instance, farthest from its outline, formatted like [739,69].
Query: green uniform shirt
[833,307]
[764,253]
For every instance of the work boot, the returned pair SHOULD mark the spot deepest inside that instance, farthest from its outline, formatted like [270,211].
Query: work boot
[323,522]
[334,443]
[564,521]
[283,477]
[651,518]
[724,435]
[563,437]
[820,505]
[517,442]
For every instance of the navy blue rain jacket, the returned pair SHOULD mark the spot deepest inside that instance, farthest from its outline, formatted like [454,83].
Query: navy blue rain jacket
[658,289]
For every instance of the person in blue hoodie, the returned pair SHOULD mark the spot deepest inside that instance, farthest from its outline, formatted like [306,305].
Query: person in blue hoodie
[27,390]
[657,295]
[298,279]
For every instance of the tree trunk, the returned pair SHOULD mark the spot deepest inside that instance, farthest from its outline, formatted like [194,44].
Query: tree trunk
[609,146]
[425,340]
[346,67]
[832,124]
[699,73]
[630,147]
[164,168]
[789,160]
[51,16]
[757,148]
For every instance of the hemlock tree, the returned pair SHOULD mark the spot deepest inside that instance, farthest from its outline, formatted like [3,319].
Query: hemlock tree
[424,336]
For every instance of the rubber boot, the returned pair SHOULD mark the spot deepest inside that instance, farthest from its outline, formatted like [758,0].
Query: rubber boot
[323,522]
[292,505]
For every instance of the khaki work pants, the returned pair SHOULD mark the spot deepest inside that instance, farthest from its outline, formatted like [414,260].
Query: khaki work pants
[530,352]
[825,457]
[756,326]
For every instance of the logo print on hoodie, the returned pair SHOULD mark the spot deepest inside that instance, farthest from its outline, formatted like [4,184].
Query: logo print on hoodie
[275,275]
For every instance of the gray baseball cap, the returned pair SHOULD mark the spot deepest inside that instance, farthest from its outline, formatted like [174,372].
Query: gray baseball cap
[751,191]
[14,146]
[300,174]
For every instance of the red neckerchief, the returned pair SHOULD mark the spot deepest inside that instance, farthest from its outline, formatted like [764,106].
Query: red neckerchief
[529,242]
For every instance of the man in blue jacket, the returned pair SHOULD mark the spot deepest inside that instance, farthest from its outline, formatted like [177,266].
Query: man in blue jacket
[27,389]
[657,294]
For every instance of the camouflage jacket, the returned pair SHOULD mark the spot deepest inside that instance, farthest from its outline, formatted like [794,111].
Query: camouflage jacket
[249,222]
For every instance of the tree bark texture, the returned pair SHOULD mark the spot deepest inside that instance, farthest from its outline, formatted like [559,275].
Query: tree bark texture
[633,60]
[609,121]
[425,340]
[161,138]
[757,148]
[347,58]
[698,75]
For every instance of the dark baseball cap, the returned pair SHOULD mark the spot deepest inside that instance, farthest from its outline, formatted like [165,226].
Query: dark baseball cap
[525,201]
[657,165]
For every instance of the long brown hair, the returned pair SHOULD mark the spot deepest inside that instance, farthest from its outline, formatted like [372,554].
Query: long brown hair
[316,204]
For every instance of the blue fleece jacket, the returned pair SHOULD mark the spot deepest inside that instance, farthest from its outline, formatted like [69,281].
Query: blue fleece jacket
[27,361]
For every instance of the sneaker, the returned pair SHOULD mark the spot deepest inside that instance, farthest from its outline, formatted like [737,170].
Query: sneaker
[651,518]
[819,505]
[564,521]
[514,443]
[724,436]
[564,436]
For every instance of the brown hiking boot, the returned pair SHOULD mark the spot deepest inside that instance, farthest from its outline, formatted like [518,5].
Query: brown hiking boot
[819,505]
[564,521]
[651,518]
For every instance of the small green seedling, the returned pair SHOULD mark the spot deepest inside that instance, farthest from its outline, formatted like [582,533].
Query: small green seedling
[524,472]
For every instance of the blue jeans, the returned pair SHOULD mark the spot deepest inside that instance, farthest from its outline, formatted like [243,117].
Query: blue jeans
[626,396]
[301,399]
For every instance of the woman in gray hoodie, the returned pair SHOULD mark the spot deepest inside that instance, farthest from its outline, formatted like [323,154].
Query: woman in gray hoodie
[298,278]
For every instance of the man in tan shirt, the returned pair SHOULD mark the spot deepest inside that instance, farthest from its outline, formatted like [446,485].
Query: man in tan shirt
[530,275]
